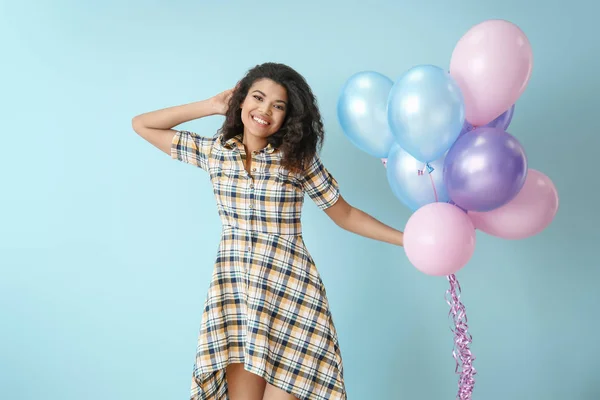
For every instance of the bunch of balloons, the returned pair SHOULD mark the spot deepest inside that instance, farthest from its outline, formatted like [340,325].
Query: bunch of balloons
[442,135]
[443,138]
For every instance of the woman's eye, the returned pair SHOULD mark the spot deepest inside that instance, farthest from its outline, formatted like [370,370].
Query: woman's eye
[257,97]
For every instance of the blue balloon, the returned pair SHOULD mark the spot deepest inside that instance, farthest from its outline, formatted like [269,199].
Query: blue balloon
[414,182]
[426,112]
[362,112]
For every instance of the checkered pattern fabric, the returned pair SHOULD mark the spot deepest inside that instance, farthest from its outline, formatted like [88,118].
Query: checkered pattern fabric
[266,306]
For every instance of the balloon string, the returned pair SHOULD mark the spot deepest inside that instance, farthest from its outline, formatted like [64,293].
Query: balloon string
[429,170]
[461,353]
[433,186]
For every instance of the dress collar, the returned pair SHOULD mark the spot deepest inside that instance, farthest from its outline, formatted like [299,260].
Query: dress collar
[236,141]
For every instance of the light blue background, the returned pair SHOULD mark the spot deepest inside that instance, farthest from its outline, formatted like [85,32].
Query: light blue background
[106,245]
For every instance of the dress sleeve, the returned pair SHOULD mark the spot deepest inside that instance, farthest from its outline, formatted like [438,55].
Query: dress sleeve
[320,185]
[192,148]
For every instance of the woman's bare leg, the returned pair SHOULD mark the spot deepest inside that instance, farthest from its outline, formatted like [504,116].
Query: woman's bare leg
[243,385]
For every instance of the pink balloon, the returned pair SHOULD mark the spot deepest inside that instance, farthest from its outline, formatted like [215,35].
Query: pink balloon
[492,65]
[529,213]
[439,239]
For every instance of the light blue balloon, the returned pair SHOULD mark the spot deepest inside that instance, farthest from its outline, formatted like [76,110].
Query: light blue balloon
[362,112]
[426,112]
[414,182]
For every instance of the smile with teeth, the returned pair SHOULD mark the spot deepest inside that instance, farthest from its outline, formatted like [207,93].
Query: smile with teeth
[260,121]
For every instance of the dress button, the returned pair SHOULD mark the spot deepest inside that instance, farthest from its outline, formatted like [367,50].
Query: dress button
[253,169]
[250,206]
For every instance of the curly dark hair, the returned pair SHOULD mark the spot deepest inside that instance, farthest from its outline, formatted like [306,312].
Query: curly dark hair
[301,134]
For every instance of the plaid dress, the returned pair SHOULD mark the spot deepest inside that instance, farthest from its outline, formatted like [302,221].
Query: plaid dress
[266,306]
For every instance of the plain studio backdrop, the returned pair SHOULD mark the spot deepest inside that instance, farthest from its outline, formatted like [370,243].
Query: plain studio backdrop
[107,245]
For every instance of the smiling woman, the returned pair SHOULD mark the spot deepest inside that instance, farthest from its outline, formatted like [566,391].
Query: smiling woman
[281,97]
[263,115]
[267,331]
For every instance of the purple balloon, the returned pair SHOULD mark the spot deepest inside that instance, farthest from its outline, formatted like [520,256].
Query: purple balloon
[485,169]
[467,127]
[456,205]
[503,120]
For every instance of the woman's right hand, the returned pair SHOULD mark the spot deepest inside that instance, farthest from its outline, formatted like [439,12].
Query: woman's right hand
[220,102]
[157,127]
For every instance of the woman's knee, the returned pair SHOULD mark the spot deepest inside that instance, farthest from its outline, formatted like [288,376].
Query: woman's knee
[242,384]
